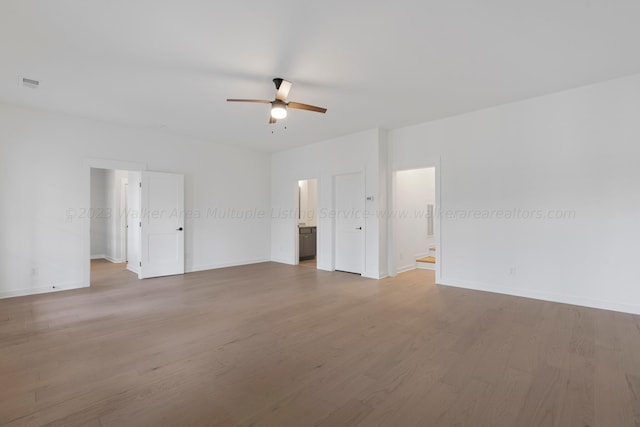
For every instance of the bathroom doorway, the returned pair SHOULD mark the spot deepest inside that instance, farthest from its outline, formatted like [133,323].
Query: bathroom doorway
[307,222]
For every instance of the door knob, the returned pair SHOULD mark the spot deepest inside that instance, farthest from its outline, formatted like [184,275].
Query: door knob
[358,228]
[179,229]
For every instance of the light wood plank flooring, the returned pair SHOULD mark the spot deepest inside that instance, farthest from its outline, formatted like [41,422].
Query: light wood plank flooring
[278,345]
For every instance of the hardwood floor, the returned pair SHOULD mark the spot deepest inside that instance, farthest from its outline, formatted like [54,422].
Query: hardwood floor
[313,263]
[278,345]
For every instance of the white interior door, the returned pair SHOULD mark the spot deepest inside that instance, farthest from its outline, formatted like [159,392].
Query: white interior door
[162,229]
[349,223]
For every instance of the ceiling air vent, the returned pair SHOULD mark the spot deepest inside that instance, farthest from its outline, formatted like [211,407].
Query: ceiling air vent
[33,84]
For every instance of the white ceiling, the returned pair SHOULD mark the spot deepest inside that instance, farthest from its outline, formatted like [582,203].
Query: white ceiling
[171,64]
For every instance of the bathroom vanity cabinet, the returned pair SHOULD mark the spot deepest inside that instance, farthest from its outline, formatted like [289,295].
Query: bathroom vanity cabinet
[307,242]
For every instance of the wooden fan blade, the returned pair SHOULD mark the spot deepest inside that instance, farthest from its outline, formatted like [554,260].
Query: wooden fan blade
[260,101]
[272,120]
[300,106]
[283,90]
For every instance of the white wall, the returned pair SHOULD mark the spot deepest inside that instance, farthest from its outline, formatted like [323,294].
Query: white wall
[359,152]
[414,191]
[572,151]
[308,202]
[133,212]
[115,216]
[97,214]
[44,180]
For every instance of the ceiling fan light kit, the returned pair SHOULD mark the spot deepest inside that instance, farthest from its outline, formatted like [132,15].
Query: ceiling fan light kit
[278,110]
[279,105]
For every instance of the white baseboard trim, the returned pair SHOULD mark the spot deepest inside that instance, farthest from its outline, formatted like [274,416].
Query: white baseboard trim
[41,290]
[194,268]
[376,275]
[426,266]
[133,269]
[108,258]
[283,261]
[545,296]
[405,268]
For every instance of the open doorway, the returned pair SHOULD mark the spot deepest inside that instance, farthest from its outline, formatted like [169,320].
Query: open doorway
[415,231]
[108,223]
[135,221]
[307,222]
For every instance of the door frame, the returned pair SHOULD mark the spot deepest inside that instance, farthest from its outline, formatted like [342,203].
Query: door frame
[440,255]
[88,164]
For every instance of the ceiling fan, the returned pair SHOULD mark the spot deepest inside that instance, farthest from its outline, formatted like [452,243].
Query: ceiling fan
[279,105]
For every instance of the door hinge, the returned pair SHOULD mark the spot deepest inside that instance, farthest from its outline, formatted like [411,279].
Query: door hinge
[140,184]
[140,263]
[140,223]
